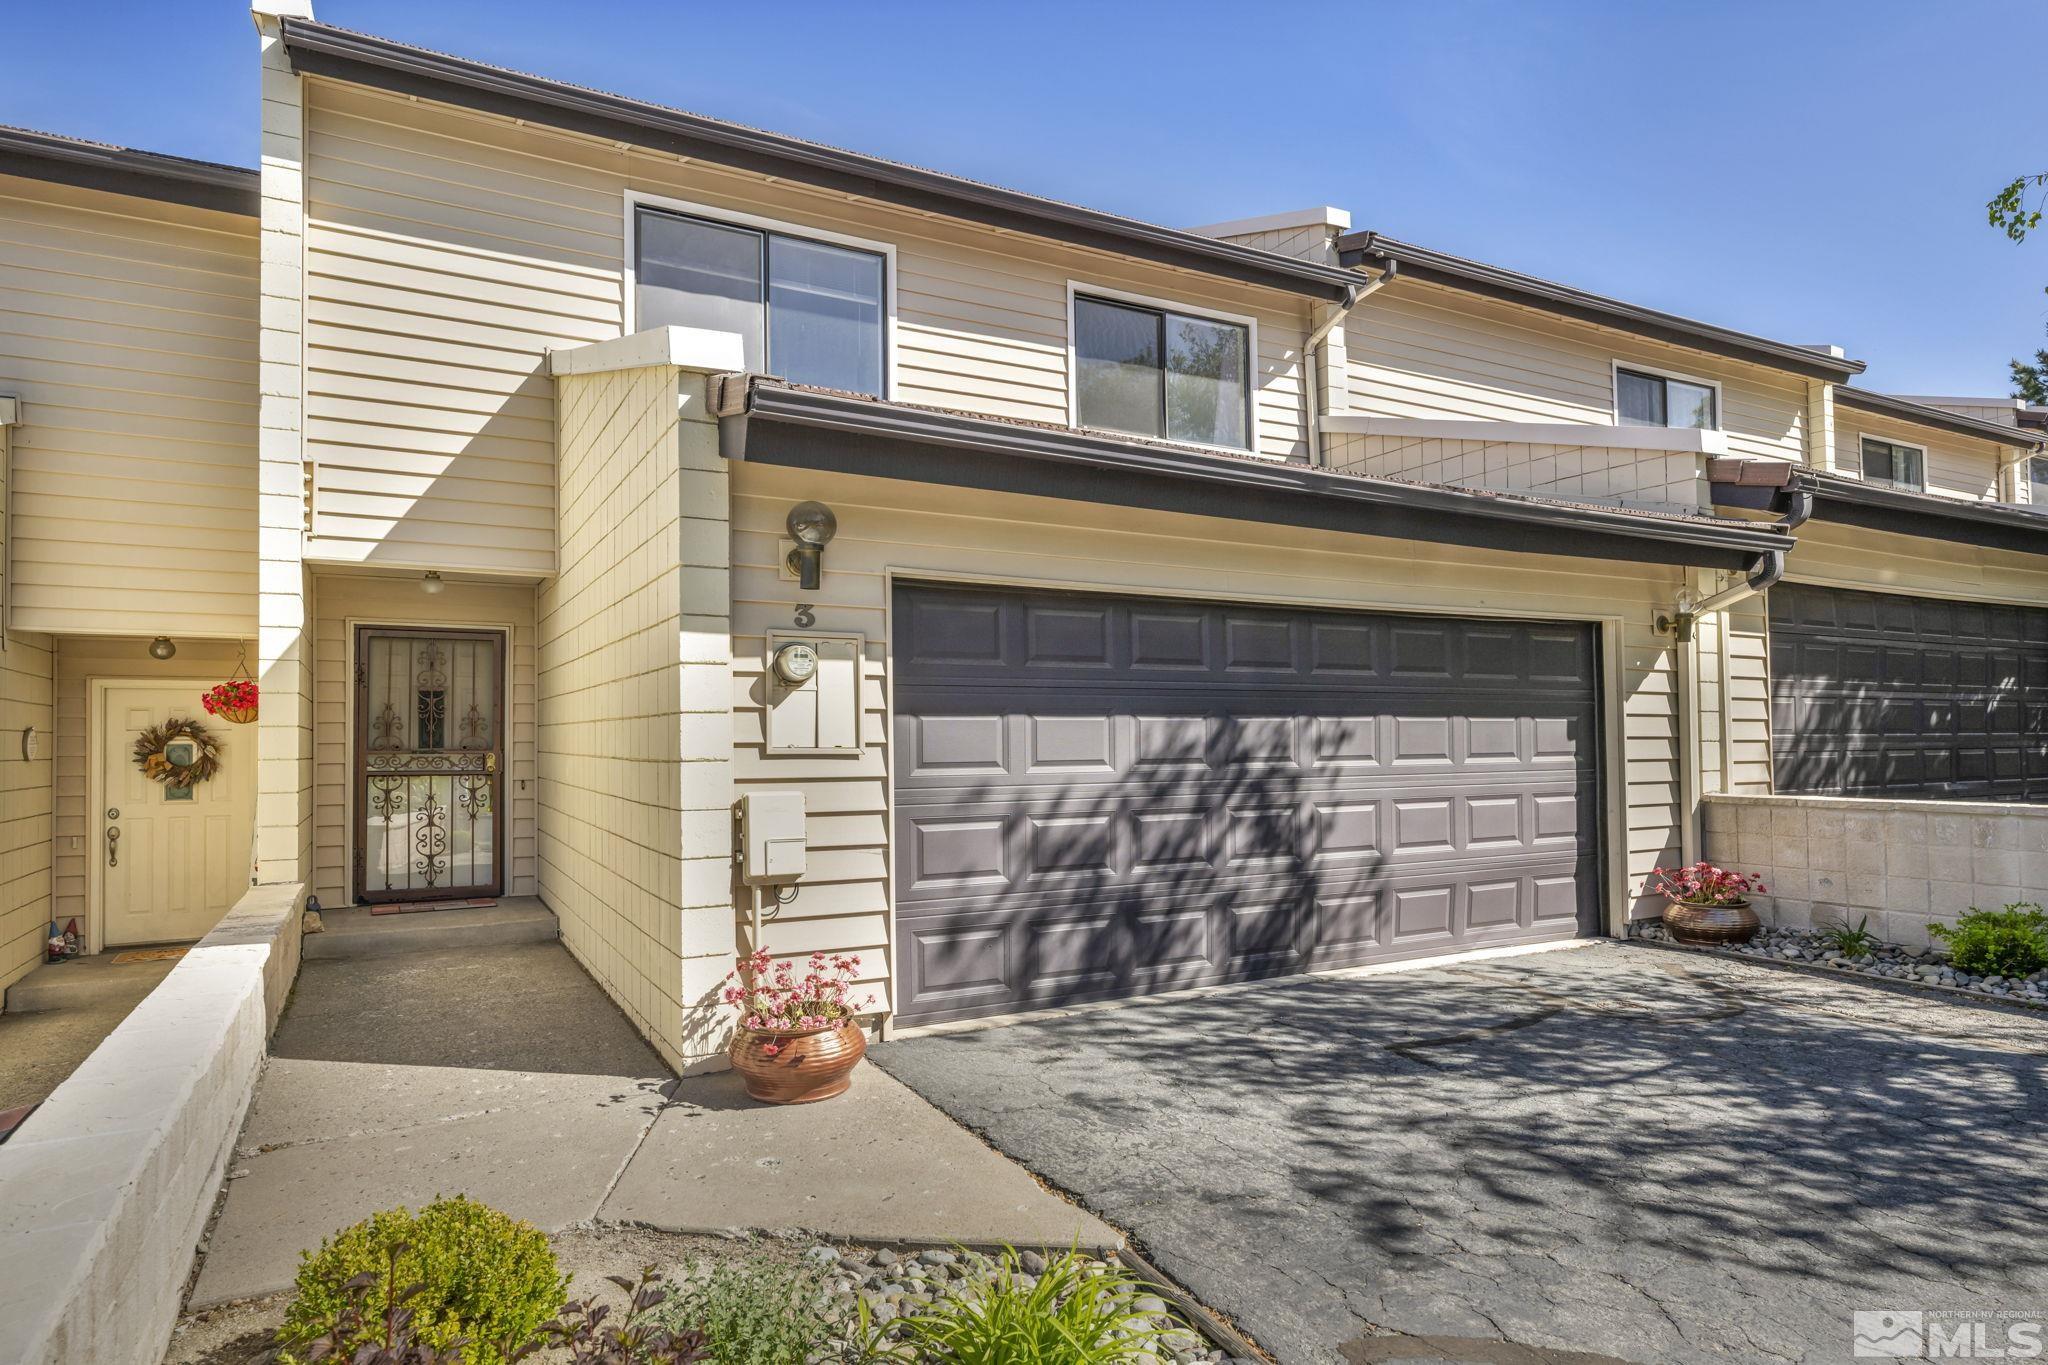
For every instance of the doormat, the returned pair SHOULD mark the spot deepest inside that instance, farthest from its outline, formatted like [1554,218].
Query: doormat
[151,955]
[11,1119]
[415,907]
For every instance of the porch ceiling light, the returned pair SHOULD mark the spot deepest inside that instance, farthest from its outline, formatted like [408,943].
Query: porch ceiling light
[432,583]
[161,648]
[811,526]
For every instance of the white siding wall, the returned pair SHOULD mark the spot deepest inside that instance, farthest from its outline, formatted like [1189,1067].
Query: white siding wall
[1426,351]
[448,250]
[128,331]
[25,802]
[1662,480]
[1957,466]
[344,602]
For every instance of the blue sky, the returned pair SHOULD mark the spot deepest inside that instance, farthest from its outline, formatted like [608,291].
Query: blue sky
[1809,172]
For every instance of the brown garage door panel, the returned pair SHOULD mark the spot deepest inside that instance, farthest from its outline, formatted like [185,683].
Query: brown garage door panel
[1099,796]
[1876,694]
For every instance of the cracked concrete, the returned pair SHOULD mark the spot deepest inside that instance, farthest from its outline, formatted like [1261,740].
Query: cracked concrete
[1606,1154]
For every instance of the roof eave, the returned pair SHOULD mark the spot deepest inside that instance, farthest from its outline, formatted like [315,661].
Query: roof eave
[1997,526]
[319,49]
[841,434]
[1435,267]
[1905,410]
[122,170]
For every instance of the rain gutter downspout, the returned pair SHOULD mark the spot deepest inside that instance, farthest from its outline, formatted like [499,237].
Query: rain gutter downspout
[1794,506]
[1311,395]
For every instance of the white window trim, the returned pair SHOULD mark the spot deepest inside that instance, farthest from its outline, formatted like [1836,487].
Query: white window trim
[1617,365]
[637,200]
[1077,288]
[1863,474]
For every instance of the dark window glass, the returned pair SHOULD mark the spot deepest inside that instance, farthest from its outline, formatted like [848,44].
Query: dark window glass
[2037,481]
[1651,400]
[1154,373]
[1891,465]
[1120,375]
[805,310]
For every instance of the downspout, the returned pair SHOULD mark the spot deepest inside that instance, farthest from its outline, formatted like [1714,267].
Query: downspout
[1794,506]
[1311,399]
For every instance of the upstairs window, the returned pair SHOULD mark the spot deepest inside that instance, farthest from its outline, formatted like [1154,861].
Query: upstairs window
[1642,399]
[1891,465]
[1153,372]
[2037,481]
[809,311]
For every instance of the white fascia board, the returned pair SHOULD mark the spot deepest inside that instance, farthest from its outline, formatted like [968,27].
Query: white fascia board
[684,348]
[1669,440]
[10,411]
[1323,216]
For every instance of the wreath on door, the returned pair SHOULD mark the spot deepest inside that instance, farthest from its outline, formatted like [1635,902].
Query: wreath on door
[178,753]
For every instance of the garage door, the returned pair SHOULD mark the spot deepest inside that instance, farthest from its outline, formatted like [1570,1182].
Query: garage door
[1877,694]
[1100,797]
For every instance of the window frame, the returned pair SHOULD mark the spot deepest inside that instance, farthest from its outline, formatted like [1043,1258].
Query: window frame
[722,217]
[1082,289]
[1863,467]
[2027,478]
[1616,365]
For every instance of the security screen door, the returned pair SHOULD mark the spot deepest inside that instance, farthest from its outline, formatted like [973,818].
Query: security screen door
[430,725]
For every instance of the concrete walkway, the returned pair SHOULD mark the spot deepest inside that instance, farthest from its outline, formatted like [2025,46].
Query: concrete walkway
[504,1073]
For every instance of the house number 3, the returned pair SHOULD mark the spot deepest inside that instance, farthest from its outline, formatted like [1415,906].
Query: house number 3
[805,617]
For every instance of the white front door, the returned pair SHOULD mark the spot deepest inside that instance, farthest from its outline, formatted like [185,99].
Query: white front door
[171,861]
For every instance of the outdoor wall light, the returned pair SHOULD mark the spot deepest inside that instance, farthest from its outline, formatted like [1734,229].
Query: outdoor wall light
[811,526]
[432,583]
[161,648]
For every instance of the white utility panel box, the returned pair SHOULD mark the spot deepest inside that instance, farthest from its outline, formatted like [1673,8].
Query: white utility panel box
[773,843]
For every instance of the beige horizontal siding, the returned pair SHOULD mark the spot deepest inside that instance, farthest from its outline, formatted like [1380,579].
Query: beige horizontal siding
[447,250]
[128,332]
[1427,351]
[26,810]
[342,601]
[912,530]
[1957,466]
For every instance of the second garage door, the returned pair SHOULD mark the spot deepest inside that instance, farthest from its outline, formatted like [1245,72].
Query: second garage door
[1100,796]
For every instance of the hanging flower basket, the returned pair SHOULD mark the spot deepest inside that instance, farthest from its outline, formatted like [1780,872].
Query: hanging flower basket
[233,700]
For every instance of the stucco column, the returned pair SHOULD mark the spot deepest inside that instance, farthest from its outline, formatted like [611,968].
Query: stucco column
[284,768]
[705,723]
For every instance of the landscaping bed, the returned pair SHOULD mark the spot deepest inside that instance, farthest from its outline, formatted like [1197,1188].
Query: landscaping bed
[1894,961]
[727,1277]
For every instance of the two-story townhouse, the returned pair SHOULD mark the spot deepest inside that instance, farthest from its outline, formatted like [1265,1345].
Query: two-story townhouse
[128,439]
[1130,607]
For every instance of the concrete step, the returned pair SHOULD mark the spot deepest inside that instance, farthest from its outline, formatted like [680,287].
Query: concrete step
[85,982]
[355,932]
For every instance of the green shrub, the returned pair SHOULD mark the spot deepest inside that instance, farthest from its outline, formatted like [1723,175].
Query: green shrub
[1070,1316]
[2009,942]
[484,1279]
[1850,940]
[752,1312]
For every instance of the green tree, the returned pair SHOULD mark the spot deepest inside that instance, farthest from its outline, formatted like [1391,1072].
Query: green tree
[2016,211]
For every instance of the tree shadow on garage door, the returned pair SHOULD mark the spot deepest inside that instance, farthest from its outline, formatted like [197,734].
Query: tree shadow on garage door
[1594,1129]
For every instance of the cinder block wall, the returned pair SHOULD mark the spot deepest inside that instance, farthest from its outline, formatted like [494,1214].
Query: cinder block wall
[1902,863]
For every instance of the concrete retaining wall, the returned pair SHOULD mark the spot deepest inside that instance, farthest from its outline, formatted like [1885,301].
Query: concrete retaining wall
[1902,863]
[105,1190]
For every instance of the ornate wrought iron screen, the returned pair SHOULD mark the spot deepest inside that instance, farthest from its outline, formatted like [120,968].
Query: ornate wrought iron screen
[429,742]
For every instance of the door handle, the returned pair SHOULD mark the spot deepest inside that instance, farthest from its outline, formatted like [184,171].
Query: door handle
[113,845]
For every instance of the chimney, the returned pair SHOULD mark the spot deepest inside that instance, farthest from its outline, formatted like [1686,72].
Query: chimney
[1310,234]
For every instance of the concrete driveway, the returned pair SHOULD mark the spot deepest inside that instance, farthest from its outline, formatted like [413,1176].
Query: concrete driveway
[1611,1152]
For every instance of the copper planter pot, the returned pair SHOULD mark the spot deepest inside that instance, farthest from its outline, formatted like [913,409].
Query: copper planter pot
[1711,926]
[806,1066]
